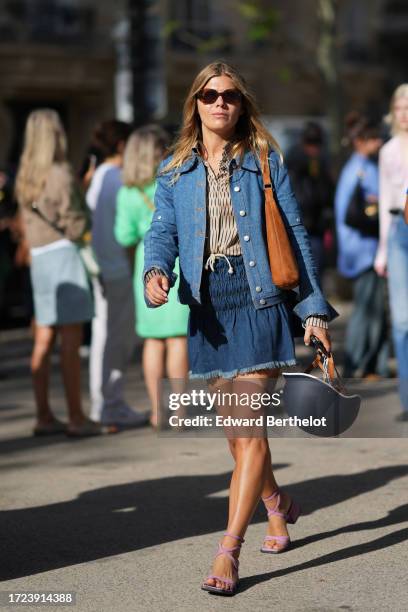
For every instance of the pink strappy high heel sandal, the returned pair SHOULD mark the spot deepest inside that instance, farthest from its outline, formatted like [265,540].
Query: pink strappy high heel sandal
[233,582]
[291,517]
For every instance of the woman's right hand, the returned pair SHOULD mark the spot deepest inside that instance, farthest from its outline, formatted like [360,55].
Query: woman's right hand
[157,289]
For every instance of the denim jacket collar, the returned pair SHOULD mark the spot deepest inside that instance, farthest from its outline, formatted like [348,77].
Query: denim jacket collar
[249,162]
[189,163]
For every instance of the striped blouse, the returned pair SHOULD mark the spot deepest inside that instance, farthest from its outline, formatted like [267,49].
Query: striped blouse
[222,232]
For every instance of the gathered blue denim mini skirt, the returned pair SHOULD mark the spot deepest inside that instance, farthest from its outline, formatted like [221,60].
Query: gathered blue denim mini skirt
[227,335]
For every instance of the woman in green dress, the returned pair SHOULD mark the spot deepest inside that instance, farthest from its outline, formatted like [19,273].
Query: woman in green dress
[164,329]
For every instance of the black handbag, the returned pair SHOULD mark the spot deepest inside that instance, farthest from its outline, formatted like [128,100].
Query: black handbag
[362,215]
[310,398]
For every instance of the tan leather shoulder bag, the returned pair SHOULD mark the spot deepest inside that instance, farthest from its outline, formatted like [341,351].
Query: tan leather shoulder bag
[282,261]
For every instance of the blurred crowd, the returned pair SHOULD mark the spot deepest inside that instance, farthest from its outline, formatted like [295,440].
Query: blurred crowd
[77,239]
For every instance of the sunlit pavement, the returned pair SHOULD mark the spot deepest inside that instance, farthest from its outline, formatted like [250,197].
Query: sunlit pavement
[131,521]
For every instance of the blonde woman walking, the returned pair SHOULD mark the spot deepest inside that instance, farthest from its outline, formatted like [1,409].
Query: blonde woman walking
[209,211]
[392,255]
[165,345]
[62,300]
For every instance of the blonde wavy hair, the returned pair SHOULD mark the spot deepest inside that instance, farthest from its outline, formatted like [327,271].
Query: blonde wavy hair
[144,151]
[45,144]
[400,92]
[250,135]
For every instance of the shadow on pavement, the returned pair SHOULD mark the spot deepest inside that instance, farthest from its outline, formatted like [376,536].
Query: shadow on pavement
[24,443]
[398,515]
[340,555]
[123,518]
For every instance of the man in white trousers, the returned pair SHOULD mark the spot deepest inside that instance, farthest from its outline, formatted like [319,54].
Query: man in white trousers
[113,327]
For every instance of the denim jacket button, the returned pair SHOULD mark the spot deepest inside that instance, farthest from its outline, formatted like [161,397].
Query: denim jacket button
[242,213]
[252,263]
[246,237]
[237,188]
[258,289]
[262,301]
[159,217]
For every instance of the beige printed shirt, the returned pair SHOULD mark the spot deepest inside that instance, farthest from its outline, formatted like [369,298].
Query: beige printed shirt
[222,232]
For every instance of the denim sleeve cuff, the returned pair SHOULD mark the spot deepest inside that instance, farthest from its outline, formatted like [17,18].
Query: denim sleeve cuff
[316,321]
[310,306]
[153,272]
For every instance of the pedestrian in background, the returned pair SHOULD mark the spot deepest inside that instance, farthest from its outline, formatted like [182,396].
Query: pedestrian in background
[313,186]
[366,343]
[62,299]
[7,217]
[113,335]
[164,330]
[239,326]
[392,256]
[406,208]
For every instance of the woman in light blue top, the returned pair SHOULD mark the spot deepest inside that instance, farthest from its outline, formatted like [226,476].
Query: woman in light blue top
[366,346]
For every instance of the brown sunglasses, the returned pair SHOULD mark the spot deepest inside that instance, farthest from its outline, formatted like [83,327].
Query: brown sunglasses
[229,96]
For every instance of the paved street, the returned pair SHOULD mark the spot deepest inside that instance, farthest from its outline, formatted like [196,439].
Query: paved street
[130,521]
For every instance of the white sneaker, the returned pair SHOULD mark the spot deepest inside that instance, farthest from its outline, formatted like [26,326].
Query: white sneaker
[123,416]
[95,412]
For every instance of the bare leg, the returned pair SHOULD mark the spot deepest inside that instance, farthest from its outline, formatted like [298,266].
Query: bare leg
[251,479]
[276,524]
[71,337]
[226,386]
[246,488]
[44,337]
[153,370]
[177,358]
[269,481]
[177,367]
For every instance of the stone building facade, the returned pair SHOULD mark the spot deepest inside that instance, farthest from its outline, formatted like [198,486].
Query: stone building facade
[74,55]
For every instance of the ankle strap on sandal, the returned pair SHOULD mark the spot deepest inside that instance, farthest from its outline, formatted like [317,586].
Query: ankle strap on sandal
[223,550]
[231,535]
[274,511]
[274,494]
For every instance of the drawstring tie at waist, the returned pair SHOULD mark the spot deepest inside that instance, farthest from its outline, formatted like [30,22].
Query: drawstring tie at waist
[211,261]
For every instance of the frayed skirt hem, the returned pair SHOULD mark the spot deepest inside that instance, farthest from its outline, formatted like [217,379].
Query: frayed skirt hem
[233,373]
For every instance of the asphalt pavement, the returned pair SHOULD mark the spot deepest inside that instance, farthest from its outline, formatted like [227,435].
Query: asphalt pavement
[130,522]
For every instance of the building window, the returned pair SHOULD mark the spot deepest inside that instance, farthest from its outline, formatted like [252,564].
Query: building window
[193,27]
[50,21]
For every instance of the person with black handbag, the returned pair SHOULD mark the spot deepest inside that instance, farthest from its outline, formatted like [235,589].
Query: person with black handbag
[356,208]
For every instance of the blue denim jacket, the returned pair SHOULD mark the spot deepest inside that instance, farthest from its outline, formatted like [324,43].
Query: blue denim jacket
[179,227]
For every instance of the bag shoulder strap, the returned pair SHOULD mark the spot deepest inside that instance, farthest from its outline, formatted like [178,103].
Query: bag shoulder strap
[35,209]
[267,179]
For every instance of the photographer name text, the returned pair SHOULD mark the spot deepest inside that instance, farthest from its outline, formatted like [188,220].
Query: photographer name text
[259,421]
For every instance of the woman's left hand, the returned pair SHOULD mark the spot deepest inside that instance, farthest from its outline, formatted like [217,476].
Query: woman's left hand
[320,333]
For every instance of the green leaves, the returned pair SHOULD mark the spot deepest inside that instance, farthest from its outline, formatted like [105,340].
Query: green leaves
[262,21]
